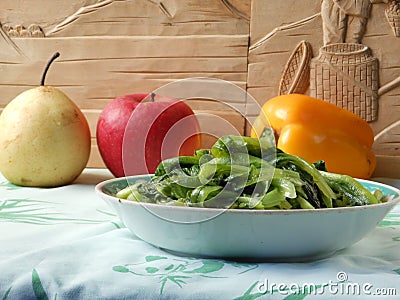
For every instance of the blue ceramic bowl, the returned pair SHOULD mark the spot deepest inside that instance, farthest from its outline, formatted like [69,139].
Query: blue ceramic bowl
[247,234]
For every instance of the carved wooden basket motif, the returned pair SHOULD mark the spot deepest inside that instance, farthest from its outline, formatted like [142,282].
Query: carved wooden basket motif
[392,13]
[296,75]
[347,75]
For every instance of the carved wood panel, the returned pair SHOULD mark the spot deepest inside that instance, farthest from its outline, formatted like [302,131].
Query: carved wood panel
[114,47]
[355,63]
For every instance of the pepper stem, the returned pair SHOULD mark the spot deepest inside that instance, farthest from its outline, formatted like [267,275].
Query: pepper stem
[57,54]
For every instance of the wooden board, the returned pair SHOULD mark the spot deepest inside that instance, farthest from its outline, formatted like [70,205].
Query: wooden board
[289,23]
[115,47]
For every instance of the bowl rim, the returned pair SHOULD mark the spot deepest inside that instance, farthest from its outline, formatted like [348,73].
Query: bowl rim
[389,204]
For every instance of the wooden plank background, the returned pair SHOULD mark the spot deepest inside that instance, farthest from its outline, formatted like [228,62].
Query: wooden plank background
[292,21]
[115,47]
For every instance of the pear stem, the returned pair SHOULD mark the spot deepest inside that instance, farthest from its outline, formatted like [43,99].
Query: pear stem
[57,54]
[152,95]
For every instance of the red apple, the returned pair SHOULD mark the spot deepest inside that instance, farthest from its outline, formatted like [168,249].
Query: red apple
[134,135]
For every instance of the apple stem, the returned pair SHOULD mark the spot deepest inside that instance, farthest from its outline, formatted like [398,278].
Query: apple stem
[152,95]
[57,54]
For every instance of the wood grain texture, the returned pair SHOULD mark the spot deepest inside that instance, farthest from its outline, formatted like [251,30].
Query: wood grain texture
[94,76]
[272,43]
[115,47]
[94,72]
[149,17]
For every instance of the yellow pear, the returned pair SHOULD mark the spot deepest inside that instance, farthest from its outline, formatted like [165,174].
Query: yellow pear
[44,138]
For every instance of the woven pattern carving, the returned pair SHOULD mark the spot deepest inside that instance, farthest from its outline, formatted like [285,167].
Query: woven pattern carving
[392,13]
[296,75]
[347,75]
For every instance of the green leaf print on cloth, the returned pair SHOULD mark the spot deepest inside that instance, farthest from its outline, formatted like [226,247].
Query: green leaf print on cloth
[391,219]
[37,286]
[9,186]
[250,294]
[5,296]
[37,212]
[293,292]
[179,271]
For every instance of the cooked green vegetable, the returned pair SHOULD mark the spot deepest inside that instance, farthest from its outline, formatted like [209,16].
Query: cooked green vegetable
[248,173]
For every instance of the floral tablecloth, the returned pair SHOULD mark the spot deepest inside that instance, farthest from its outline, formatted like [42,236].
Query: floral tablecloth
[66,243]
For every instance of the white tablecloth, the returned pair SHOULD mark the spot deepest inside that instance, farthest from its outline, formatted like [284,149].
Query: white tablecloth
[66,243]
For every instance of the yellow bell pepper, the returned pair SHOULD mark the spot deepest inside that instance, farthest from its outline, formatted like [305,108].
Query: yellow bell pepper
[317,130]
